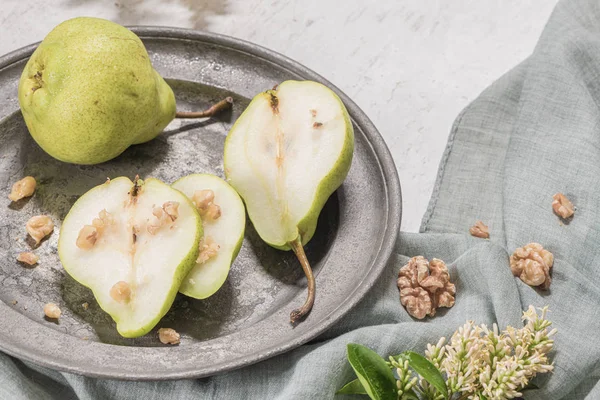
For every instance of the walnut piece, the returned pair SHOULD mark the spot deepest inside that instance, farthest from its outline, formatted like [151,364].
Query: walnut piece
[39,227]
[168,336]
[208,249]
[121,292]
[28,258]
[166,214]
[23,188]
[52,311]
[204,201]
[171,208]
[89,234]
[532,264]
[425,286]
[480,230]
[562,206]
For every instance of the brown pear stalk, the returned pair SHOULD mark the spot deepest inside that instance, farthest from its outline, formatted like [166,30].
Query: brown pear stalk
[222,105]
[299,313]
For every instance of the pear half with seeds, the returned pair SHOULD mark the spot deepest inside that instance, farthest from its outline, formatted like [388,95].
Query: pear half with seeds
[224,221]
[286,154]
[131,243]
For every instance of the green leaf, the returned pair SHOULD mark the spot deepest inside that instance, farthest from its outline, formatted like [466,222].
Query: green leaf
[373,373]
[353,387]
[427,370]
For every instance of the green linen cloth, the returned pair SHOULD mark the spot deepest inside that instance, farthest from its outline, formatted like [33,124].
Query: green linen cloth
[534,132]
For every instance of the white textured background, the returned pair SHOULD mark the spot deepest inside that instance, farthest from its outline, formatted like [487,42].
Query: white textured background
[411,65]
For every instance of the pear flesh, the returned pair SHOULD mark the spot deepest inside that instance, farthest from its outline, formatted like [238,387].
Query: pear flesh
[286,154]
[224,221]
[89,91]
[131,243]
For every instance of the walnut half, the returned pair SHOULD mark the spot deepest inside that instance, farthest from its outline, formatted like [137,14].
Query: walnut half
[532,264]
[425,286]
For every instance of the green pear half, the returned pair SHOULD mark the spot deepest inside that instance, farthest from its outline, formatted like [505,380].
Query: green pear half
[226,232]
[89,91]
[131,244]
[286,154]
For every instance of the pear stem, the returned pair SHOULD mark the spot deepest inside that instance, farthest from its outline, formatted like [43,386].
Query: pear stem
[300,313]
[213,110]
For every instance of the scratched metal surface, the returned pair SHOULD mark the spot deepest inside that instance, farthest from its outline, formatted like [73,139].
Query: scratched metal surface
[247,320]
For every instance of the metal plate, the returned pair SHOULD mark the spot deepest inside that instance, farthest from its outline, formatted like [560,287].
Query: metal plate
[247,320]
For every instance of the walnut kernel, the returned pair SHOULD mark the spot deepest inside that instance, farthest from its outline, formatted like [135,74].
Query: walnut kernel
[39,227]
[52,311]
[88,235]
[121,292]
[28,258]
[532,264]
[168,213]
[562,206]
[425,286]
[171,209]
[168,336]
[480,230]
[23,188]
[208,249]
[204,201]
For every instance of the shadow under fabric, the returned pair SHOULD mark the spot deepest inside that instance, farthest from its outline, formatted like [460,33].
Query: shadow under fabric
[534,132]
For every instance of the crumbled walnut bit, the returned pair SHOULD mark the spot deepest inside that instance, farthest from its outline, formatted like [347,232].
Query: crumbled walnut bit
[204,201]
[425,286]
[121,292]
[28,258]
[171,209]
[39,227]
[14,302]
[317,125]
[213,212]
[85,306]
[168,336]
[52,311]
[532,263]
[562,206]
[208,249]
[23,188]
[168,213]
[88,235]
[203,198]
[480,230]
[313,112]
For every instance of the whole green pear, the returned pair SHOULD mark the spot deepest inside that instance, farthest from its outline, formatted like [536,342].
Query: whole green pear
[89,91]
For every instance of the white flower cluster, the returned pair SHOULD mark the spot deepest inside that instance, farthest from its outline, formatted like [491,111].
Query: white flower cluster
[404,382]
[478,361]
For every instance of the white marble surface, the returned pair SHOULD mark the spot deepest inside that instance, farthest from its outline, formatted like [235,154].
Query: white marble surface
[411,65]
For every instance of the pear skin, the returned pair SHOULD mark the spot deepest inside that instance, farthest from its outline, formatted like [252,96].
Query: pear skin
[89,91]
[286,154]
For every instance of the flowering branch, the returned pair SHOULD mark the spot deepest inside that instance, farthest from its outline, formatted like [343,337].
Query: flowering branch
[476,363]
